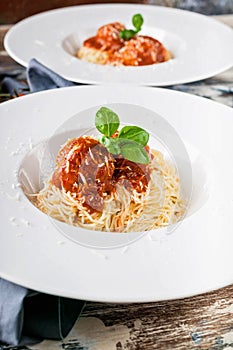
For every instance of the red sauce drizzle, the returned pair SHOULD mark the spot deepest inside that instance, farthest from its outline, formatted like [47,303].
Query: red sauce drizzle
[107,38]
[85,168]
[137,51]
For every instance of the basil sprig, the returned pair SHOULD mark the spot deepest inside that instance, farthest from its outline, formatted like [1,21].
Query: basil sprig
[106,121]
[137,21]
[133,151]
[134,133]
[130,141]
[112,144]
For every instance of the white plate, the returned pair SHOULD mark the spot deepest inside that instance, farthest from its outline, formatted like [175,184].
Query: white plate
[202,47]
[195,258]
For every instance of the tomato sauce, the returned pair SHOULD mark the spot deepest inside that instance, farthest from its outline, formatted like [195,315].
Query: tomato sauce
[107,38]
[86,169]
[137,51]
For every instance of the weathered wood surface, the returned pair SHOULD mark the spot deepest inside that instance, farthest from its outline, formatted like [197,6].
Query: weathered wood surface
[203,322]
[12,11]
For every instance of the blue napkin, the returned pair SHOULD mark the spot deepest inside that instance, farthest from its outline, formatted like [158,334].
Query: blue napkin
[42,78]
[28,316]
[39,77]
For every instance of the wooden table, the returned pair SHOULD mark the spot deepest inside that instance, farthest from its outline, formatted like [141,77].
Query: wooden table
[201,322]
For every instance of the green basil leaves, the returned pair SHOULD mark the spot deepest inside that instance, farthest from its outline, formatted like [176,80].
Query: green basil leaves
[137,21]
[134,133]
[112,144]
[130,141]
[106,121]
[135,152]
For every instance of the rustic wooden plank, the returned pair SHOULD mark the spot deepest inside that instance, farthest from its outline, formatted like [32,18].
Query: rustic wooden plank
[202,322]
[3,30]
[9,66]
[226,19]
[218,88]
[12,11]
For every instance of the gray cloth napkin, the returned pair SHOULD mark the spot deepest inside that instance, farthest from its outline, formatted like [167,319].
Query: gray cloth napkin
[39,78]
[42,78]
[28,316]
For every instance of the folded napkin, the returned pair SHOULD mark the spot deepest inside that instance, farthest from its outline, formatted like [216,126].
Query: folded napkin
[14,88]
[28,316]
[42,78]
[39,77]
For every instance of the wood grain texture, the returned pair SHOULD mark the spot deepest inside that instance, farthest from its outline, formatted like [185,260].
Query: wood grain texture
[3,30]
[202,322]
[12,11]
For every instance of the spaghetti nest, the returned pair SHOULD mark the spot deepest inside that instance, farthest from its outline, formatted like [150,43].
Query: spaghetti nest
[126,209]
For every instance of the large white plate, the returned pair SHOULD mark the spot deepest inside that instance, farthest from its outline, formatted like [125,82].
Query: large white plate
[202,47]
[195,258]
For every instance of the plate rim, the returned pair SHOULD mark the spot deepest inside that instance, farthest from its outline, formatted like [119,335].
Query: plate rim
[104,299]
[85,80]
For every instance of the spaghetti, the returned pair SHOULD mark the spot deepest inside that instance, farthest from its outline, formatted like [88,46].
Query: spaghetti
[148,200]
[108,47]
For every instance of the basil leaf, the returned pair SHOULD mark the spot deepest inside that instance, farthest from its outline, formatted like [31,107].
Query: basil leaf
[134,151]
[106,121]
[134,133]
[137,21]
[112,144]
[127,34]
